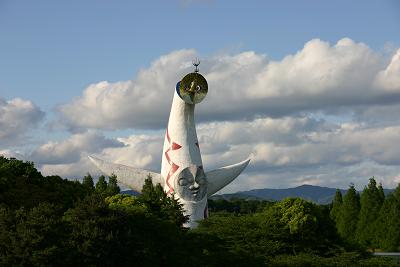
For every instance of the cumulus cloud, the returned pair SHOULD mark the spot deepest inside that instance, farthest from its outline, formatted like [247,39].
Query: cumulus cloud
[325,115]
[71,149]
[320,76]
[17,118]
[299,143]
[12,154]
[340,70]
[75,170]
[304,150]
[287,151]
[389,78]
[139,103]
[140,151]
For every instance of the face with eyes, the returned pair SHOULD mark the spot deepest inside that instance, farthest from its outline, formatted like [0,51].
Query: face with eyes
[191,183]
[192,88]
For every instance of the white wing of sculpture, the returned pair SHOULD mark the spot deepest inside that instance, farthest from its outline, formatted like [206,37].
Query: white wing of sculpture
[129,176]
[219,178]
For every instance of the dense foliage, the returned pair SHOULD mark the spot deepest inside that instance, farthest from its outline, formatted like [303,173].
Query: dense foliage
[370,220]
[50,221]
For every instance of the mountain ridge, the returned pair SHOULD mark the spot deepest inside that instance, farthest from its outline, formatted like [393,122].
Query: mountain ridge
[313,193]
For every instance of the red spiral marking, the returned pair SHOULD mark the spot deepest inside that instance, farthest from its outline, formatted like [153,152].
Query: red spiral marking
[175,146]
[174,167]
[167,156]
[171,189]
[171,172]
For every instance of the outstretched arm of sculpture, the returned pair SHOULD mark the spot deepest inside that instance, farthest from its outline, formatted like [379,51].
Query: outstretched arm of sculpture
[219,178]
[129,176]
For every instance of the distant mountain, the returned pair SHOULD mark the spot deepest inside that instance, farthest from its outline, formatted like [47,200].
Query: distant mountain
[130,192]
[316,194]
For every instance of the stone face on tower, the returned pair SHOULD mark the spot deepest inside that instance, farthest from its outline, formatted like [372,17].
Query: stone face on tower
[182,171]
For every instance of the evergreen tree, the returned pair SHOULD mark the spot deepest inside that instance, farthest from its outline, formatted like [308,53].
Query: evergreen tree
[381,192]
[32,237]
[387,233]
[112,187]
[371,203]
[101,185]
[348,215]
[88,182]
[160,204]
[336,206]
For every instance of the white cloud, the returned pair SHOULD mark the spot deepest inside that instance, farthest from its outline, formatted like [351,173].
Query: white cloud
[71,149]
[288,115]
[74,170]
[319,69]
[141,151]
[70,156]
[17,118]
[320,76]
[141,103]
[12,154]
[389,78]
[286,151]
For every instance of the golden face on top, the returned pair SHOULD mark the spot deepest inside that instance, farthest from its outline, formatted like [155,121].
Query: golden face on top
[192,88]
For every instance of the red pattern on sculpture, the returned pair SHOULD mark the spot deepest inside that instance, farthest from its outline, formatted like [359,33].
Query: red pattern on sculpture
[174,166]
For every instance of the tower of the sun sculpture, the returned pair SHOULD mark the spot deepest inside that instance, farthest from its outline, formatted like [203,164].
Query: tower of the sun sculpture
[182,172]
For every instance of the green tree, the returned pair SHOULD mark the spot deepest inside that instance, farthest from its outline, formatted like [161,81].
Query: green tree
[387,233]
[32,237]
[290,226]
[19,168]
[102,235]
[298,215]
[381,192]
[160,204]
[371,202]
[127,203]
[112,186]
[88,182]
[21,185]
[348,215]
[336,206]
[101,185]
[308,225]
[121,200]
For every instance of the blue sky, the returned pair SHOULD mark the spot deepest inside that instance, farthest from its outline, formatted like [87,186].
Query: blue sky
[51,51]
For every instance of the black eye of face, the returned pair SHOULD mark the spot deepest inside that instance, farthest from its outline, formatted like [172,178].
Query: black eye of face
[186,87]
[198,87]
[201,180]
[183,182]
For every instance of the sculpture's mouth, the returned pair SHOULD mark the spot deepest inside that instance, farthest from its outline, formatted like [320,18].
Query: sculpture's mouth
[195,192]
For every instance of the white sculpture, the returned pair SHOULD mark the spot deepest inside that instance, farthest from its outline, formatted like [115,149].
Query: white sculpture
[182,172]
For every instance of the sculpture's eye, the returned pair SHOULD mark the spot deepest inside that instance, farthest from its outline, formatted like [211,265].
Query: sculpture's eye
[201,180]
[198,87]
[183,182]
[187,87]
